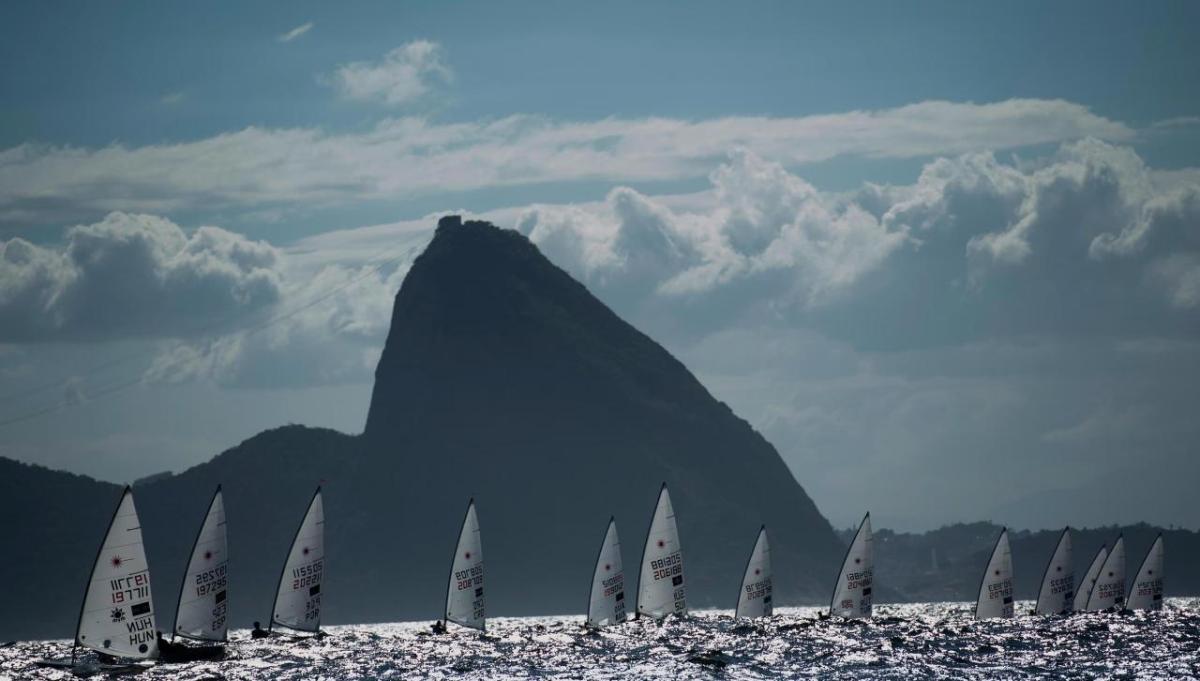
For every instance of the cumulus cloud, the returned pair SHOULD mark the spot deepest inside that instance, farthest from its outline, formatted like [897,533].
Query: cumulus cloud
[1085,240]
[132,275]
[762,226]
[405,157]
[1099,186]
[404,75]
[329,329]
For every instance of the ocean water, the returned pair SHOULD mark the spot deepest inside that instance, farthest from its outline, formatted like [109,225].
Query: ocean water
[910,641]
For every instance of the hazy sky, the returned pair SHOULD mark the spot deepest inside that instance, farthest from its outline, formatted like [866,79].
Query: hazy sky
[946,257]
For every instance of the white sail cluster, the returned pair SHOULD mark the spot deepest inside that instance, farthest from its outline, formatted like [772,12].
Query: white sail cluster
[996,589]
[298,598]
[661,590]
[754,598]
[1108,591]
[464,595]
[852,590]
[117,616]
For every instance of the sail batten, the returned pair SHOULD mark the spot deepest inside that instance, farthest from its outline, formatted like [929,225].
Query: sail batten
[995,589]
[606,599]
[1057,593]
[852,596]
[755,597]
[203,595]
[1109,589]
[298,600]
[117,615]
[464,593]
[1146,592]
[661,590]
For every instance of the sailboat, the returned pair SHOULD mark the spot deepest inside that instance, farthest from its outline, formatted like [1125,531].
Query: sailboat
[606,599]
[661,590]
[996,590]
[116,618]
[464,594]
[297,604]
[1147,590]
[1057,594]
[201,612]
[852,591]
[754,598]
[1109,590]
[1089,580]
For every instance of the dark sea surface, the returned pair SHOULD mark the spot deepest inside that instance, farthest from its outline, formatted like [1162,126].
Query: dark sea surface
[925,640]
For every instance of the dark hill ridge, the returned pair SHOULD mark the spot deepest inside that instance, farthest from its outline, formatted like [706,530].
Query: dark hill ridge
[503,379]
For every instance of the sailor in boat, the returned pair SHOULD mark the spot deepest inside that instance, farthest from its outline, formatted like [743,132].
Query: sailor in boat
[439,627]
[172,652]
[259,632]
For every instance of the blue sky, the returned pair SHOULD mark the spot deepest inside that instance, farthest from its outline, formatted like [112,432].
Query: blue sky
[895,237]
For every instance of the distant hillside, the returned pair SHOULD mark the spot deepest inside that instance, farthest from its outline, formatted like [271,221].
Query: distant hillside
[946,564]
[503,379]
[54,518]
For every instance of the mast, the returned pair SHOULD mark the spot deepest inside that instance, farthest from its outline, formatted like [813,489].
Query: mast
[187,568]
[95,563]
[1000,567]
[283,570]
[473,563]
[837,585]
[1046,581]
[761,551]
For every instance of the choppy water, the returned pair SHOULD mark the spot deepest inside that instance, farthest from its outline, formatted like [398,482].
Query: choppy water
[938,640]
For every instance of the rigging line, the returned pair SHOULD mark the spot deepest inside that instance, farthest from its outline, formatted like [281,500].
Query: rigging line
[117,387]
[211,330]
[124,385]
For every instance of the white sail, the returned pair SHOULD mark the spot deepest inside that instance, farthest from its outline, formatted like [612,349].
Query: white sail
[996,591]
[298,600]
[1089,580]
[464,596]
[754,598]
[1147,590]
[1109,591]
[1057,594]
[201,613]
[660,584]
[118,614]
[852,591]
[606,602]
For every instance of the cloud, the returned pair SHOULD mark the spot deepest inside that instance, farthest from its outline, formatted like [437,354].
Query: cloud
[172,98]
[406,157]
[1178,122]
[761,245]
[295,32]
[1039,312]
[329,329]
[133,275]
[1083,241]
[404,75]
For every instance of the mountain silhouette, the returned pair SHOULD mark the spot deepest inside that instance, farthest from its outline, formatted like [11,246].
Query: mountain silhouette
[502,379]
